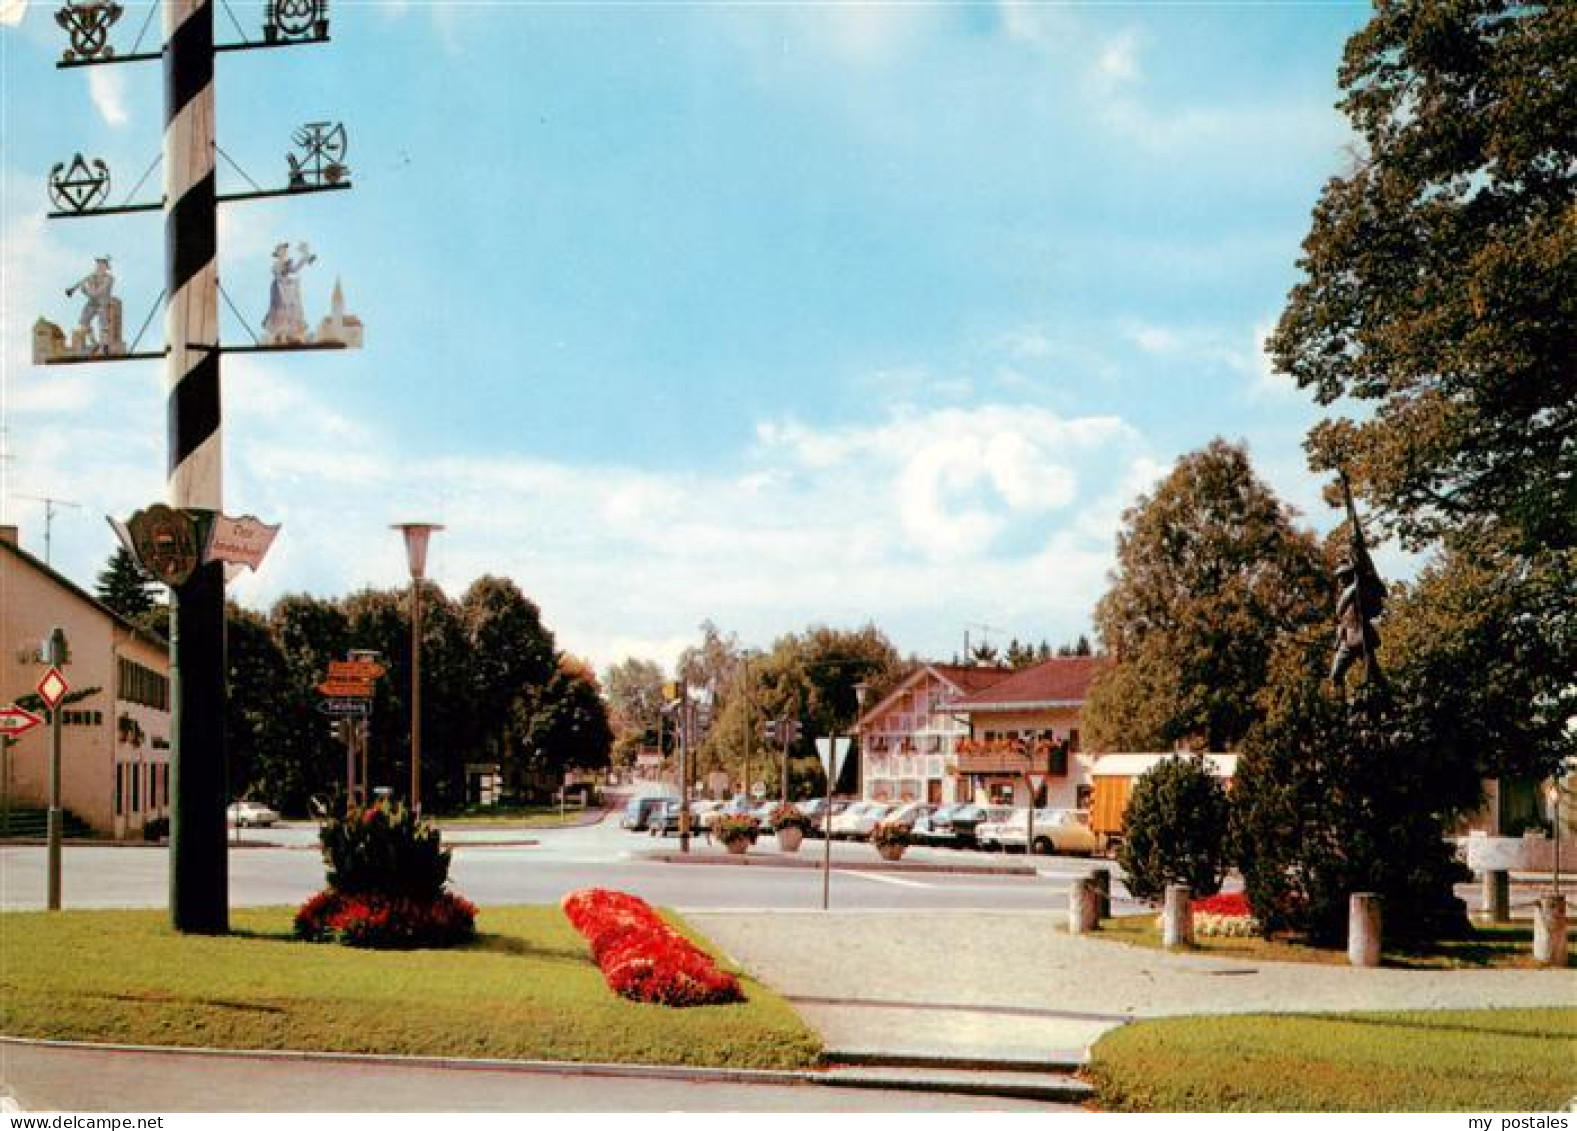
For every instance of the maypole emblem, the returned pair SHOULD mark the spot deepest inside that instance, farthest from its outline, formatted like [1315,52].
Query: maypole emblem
[292,21]
[79,187]
[89,27]
[164,542]
[322,157]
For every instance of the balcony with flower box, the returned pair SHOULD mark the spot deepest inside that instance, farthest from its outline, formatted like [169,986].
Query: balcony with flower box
[1012,756]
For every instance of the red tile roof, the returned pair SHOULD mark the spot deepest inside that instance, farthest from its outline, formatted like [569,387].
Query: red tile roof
[1062,679]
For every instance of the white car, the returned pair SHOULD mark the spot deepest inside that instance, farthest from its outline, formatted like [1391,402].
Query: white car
[857,821]
[247,813]
[1057,831]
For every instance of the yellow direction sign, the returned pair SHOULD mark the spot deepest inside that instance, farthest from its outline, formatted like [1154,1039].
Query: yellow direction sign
[346,688]
[356,669]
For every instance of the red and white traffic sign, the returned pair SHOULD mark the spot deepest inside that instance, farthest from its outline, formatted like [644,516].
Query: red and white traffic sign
[16,720]
[53,688]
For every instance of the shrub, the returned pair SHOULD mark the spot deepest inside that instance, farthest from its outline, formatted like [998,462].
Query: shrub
[384,850]
[730,829]
[1332,799]
[1175,830]
[890,834]
[788,816]
[386,874]
[642,957]
[386,922]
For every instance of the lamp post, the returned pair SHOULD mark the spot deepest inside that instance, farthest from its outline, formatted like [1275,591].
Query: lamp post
[416,536]
[860,690]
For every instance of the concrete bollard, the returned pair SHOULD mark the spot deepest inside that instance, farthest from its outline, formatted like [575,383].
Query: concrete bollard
[1177,917]
[1083,907]
[1549,931]
[1102,879]
[1496,895]
[1363,929]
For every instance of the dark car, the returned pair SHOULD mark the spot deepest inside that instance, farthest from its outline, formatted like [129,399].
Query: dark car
[638,813]
[970,817]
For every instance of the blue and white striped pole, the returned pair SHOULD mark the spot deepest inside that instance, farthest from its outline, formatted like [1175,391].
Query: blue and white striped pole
[199,896]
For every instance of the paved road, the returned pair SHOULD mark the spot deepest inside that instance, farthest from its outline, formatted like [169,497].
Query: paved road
[81,1079]
[497,867]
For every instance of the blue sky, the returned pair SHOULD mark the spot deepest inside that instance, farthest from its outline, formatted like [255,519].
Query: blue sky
[771,313]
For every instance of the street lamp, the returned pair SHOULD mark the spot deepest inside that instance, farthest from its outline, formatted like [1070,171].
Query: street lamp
[416,536]
[860,690]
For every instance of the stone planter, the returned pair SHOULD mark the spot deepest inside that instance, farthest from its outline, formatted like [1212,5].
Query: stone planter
[738,846]
[891,851]
[790,838]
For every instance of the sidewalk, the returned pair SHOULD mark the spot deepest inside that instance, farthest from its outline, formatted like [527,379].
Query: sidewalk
[1001,985]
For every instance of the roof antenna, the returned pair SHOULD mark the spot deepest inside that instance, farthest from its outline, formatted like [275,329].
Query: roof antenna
[49,516]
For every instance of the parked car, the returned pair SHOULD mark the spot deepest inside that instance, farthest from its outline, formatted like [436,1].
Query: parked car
[244,814]
[665,821]
[908,813]
[1061,831]
[813,813]
[936,827]
[639,812]
[967,819]
[857,821]
[716,810]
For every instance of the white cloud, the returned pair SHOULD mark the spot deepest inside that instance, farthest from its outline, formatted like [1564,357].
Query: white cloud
[107,88]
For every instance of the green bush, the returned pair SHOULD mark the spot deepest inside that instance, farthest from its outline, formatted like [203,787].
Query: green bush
[1176,830]
[384,850]
[1333,798]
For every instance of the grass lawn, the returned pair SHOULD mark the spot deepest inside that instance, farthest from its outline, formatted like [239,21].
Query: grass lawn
[525,816]
[527,989]
[1490,946]
[1484,1060]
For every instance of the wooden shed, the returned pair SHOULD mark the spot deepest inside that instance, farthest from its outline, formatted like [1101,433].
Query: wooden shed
[1112,777]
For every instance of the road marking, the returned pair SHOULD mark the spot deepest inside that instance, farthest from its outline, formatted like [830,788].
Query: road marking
[881,879]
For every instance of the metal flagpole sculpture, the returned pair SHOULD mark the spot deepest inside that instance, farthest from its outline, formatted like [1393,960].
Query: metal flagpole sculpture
[1360,603]
[189,543]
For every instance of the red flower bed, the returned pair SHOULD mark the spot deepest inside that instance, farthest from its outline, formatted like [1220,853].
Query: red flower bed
[642,957]
[386,922]
[1234,904]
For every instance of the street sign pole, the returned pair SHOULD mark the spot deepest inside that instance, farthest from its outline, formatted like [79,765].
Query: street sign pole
[57,656]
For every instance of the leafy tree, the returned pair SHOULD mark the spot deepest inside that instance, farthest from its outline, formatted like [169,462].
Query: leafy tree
[564,722]
[258,733]
[1480,652]
[1175,830]
[1441,272]
[124,587]
[1210,570]
[1333,798]
[634,690]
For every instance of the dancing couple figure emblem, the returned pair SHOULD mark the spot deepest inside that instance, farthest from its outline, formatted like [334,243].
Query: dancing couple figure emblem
[286,321]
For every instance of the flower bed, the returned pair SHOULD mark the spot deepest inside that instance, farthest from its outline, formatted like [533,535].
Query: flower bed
[386,922]
[1224,916]
[642,957]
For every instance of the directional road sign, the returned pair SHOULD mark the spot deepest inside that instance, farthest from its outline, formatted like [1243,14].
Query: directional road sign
[16,720]
[355,669]
[346,708]
[53,688]
[346,688]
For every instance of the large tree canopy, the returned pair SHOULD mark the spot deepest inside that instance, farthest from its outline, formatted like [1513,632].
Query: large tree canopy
[1210,570]
[1441,272]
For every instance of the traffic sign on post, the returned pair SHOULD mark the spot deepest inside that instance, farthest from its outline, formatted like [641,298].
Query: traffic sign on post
[53,687]
[356,669]
[16,720]
[346,688]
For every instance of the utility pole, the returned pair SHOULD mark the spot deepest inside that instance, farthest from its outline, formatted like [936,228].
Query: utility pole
[199,880]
